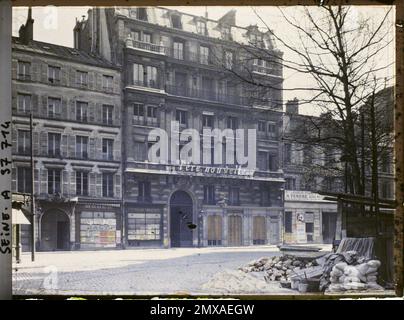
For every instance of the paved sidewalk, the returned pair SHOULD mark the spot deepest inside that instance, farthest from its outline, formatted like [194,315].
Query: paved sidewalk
[132,271]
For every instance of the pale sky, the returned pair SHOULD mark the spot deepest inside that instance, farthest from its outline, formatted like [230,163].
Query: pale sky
[55,25]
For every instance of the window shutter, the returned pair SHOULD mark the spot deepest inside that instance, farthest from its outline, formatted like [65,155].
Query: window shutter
[98,113]
[92,108]
[35,104]
[91,148]
[98,148]
[44,106]
[64,111]
[72,182]
[44,72]
[98,84]
[71,146]
[72,110]
[14,66]
[36,72]
[65,181]
[14,179]
[92,189]
[99,185]
[14,133]
[91,83]
[36,181]
[116,151]
[36,143]
[44,143]
[44,181]
[63,145]
[117,184]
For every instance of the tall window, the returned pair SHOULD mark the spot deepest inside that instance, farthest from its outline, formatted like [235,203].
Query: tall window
[201,27]
[176,21]
[107,184]
[232,123]
[24,179]
[138,74]
[207,120]
[53,74]
[144,191]
[23,142]
[178,50]
[141,14]
[147,37]
[287,153]
[24,103]
[152,115]
[226,35]
[82,78]
[54,107]
[214,230]
[259,230]
[107,149]
[107,82]
[209,194]
[151,73]
[288,222]
[81,111]
[181,117]
[204,55]
[54,181]
[135,35]
[54,144]
[234,196]
[261,126]
[24,70]
[228,59]
[81,147]
[290,183]
[138,113]
[107,114]
[262,160]
[81,183]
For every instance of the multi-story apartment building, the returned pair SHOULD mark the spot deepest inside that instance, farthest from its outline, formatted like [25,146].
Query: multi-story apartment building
[311,167]
[176,69]
[74,99]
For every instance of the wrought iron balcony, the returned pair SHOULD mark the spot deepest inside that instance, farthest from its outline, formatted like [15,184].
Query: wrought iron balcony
[146,46]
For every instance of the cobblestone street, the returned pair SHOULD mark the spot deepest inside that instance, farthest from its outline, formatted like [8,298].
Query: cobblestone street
[134,271]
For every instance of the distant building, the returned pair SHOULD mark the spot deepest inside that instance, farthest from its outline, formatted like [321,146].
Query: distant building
[172,71]
[75,101]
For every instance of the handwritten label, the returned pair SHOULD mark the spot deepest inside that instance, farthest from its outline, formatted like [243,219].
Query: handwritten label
[5,195]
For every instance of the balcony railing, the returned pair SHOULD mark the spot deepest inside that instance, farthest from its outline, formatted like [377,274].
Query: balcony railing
[206,94]
[146,46]
[146,83]
[267,70]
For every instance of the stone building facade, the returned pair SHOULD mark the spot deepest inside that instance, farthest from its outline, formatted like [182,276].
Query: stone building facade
[75,102]
[172,66]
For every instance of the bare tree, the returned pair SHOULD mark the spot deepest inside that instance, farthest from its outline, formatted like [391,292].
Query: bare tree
[343,57]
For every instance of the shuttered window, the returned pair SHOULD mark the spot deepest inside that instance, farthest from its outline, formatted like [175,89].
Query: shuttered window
[235,230]
[214,230]
[259,230]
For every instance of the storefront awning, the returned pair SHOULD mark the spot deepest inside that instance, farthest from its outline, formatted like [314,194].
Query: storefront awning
[19,217]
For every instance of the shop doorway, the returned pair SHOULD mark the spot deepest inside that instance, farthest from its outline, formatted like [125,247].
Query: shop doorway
[329,226]
[235,231]
[55,231]
[181,217]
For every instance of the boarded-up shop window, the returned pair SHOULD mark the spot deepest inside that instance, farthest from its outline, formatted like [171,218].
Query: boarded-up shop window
[144,224]
[259,230]
[214,230]
[234,232]
[97,229]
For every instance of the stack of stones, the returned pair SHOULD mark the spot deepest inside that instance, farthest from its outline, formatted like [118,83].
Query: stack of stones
[279,268]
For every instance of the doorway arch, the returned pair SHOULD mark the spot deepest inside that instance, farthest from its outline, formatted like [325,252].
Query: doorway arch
[181,216]
[55,230]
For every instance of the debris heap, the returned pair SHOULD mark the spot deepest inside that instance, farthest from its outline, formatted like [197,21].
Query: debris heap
[279,268]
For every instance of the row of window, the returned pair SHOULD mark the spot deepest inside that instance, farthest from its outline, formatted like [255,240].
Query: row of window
[54,145]
[24,72]
[54,108]
[24,180]
[200,25]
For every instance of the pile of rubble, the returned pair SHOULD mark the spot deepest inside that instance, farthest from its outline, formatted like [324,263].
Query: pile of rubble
[279,268]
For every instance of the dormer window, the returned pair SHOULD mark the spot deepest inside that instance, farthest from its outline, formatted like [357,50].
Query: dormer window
[201,27]
[141,14]
[256,39]
[176,21]
[226,35]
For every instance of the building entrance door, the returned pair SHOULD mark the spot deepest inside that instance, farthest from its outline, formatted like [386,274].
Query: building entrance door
[235,231]
[181,216]
[55,231]
[329,226]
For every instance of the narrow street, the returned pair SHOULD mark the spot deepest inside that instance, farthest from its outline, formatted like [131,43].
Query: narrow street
[133,271]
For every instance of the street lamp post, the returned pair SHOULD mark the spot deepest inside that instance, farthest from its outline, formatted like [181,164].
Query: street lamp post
[200,227]
[32,189]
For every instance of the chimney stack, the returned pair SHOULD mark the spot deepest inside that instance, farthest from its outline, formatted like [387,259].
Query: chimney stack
[292,106]
[26,32]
